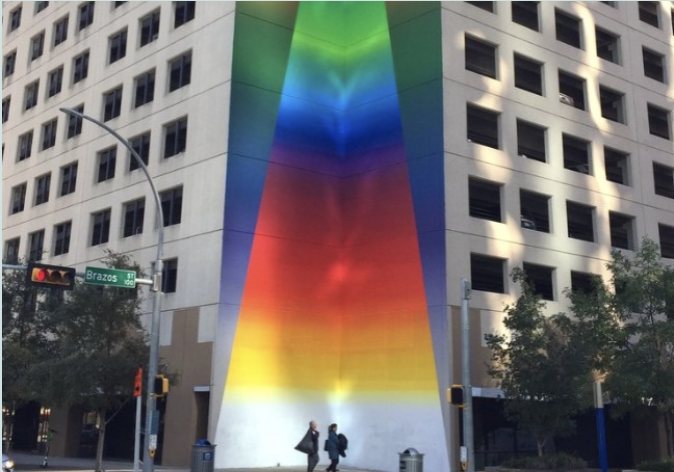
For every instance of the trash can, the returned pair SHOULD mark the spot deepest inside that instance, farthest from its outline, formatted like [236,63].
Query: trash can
[203,456]
[411,460]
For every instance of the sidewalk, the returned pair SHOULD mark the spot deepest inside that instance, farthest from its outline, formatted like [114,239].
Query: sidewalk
[33,462]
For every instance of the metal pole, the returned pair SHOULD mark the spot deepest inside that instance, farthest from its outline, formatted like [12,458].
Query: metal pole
[150,423]
[467,388]
[601,429]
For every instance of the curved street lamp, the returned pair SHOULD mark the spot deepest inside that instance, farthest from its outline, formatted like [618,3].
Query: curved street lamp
[153,367]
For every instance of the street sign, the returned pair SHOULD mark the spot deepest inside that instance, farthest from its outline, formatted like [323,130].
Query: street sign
[114,277]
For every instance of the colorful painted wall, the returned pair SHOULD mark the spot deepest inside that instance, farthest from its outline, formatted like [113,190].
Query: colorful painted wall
[333,299]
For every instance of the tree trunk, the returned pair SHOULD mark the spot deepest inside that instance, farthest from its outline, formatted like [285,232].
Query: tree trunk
[101,441]
[540,445]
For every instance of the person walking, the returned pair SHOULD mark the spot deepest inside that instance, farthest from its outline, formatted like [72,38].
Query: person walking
[332,446]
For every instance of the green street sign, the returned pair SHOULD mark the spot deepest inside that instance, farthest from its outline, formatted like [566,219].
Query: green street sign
[114,277]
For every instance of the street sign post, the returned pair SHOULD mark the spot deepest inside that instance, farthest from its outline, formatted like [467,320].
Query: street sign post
[113,277]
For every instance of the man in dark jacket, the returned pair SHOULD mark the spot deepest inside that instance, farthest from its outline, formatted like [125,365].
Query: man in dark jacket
[309,446]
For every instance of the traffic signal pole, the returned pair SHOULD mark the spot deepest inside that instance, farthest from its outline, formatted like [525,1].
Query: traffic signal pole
[152,416]
[467,454]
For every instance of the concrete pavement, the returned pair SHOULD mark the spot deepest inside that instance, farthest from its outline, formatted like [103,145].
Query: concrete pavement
[33,462]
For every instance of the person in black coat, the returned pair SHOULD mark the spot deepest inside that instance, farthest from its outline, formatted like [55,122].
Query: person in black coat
[312,457]
[332,446]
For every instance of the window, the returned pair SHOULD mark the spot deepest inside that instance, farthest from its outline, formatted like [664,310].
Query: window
[5,108]
[487,6]
[582,282]
[608,45]
[11,251]
[486,273]
[482,125]
[175,137]
[112,104]
[75,123]
[42,185]
[86,15]
[36,46]
[117,46]
[612,104]
[119,4]
[572,90]
[648,13]
[580,221]
[100,227]
[30,96]
[654,65]
[531,141]
[484,199]
[49,134]
[172,205]
[480,57]
[528,75]
[107,159]
[149,28]
[134,213]
[9,64]
[534,211]
[617,166]
[610,4]
[666,241]
[184,12]
[169,276]
[36,245]
[25,146]
[14,19]
[180,71]
[140,144]
[663,178]
[62,238]
[60,31]
[39,6]
[55,81]
[540,279]
[658,121]
[622,230]
[526,14]
[144,89]
[576,154]
[81,67]
[18,198]
[568,29]
[68,179]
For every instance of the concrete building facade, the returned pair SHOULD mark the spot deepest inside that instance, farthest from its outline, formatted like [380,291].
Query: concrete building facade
[329,172]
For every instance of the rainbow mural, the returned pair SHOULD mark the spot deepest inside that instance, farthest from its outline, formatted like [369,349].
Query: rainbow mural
[333,300]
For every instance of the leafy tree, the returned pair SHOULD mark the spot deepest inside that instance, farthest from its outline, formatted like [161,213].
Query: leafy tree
[96,345]
[642,371]
[541,377]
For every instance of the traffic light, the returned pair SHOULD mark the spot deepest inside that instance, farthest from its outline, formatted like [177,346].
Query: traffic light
[49,276]
[138,383]
[455,395]
[161,386]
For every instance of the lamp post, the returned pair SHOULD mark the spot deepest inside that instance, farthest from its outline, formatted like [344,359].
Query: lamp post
[153,367]
[465,371]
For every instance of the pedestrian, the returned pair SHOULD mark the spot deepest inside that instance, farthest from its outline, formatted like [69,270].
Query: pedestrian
[332,446]
[309,446]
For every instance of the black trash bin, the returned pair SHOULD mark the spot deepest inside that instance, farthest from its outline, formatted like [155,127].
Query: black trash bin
[203,456]
[411,460]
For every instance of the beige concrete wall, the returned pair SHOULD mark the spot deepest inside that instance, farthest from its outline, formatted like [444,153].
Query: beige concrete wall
[191,360]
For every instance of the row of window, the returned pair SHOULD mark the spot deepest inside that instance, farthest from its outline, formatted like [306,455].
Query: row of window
[488,273]
[485,202]
[183,12]
[175,139]
[568,28]
[61,245]
[175,134]
[179,74]
[133,218]
[483,129]
[481,58]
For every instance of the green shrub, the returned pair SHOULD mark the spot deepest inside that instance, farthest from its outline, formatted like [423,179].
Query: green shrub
[657,466]
[559,461]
